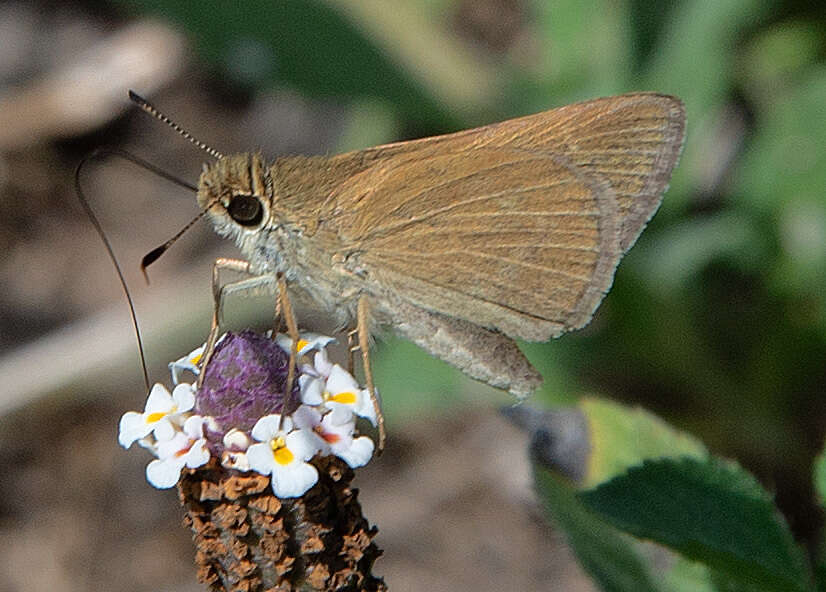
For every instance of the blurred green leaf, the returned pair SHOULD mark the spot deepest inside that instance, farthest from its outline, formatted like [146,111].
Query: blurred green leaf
[819,478]
[412,381]
[681,251]
[369,123]
[694,60]
[786,161]
[694,57]
[605,553]
[301,43]
[689,576]
[777,56]
[571,69]
[623,437]
[709,511]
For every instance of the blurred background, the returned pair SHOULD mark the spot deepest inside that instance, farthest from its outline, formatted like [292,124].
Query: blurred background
[716,321]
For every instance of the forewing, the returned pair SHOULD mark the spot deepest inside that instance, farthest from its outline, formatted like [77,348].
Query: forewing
[631,141]
[516,226]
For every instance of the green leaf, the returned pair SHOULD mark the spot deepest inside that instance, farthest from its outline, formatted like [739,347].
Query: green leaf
[689,576]
[785,162]
[306,44]
[820,477]
[678,254]
[622,437]
[605,553]
[709,511]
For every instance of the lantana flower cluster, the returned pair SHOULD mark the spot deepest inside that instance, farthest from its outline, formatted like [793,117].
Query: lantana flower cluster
[235,416]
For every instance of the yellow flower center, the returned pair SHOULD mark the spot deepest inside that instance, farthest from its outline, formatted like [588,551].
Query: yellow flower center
[302,343]
[346,397]
[196,359]
[280,452]
[158,415]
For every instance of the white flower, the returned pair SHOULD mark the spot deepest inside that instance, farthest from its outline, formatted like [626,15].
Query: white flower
[162,415]
[321,364]
[235,460]
[236,440]
[339,391]
[282,452]
[307,342]
[187,448]
[337,434]
[189,362]
[356,452]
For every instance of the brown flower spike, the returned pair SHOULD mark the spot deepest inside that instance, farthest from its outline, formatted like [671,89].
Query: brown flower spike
[268,498]
[249,540]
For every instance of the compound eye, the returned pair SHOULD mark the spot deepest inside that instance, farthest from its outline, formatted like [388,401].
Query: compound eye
[246,210]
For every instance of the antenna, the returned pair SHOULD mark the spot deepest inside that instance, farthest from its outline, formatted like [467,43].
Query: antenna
[84,202]
[149,108]
[155,253]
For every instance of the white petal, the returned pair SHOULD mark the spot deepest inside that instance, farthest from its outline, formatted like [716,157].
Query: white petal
[159,400]
[198,454]
[342,429]
[172,446]
[164,474]
[164,429]
[294,480]
[359,453]
[211,424]
[340,414]
[236,440]
[306,417]
[312,341]
[284,342]
[267,428]
[260,458]
[365,407]
[184,396]
[312,389]
[132,427]
[194,357]
[235,460]
[188,362]
[316,341]
[322,363]
[194,426]
[304,444]
[150,444]
[341,381]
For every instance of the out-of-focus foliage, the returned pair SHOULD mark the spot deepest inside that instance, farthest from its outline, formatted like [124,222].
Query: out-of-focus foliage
[712,525]
[717,319]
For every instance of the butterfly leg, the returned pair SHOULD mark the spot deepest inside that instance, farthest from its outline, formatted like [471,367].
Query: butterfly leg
[218,293]
[221,291]
[352,347]
[480,353]
[284,306]
[362,327]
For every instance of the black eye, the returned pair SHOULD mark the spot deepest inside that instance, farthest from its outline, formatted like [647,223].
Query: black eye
[246,210]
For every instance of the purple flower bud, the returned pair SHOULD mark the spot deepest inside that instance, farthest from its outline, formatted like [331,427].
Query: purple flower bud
[245,380]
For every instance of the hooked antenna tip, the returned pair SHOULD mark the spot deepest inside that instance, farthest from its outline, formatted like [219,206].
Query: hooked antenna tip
[136,98]
[150,258]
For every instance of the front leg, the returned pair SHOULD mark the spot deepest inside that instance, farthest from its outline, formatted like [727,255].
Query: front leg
[285,308]
[364,345]
[219,292]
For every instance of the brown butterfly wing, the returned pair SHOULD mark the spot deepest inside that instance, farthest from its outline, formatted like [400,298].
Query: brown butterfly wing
[516,226]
